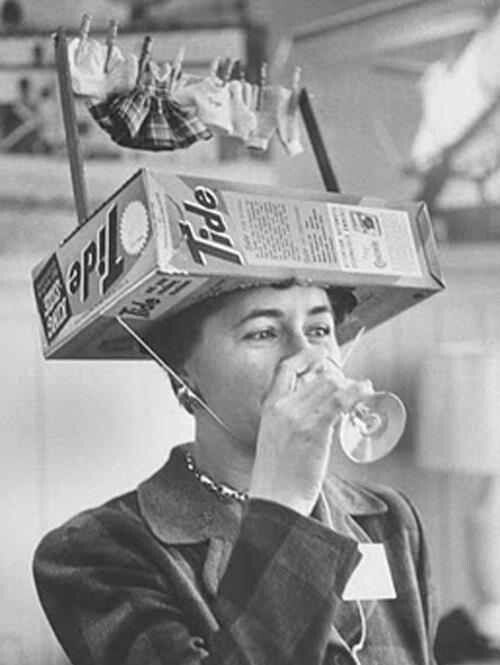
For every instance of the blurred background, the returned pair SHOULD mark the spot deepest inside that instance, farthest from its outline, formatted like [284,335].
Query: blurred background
[407,97]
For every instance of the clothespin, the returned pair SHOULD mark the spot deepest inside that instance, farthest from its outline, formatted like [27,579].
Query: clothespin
[227,68]
[110,42]
[246,87]
[242,71]
[235,70]
[176,68]
[262,83]
[144,58]
[214,68]
[294,97]
[83,34]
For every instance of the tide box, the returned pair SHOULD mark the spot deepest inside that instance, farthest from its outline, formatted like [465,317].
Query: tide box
[162,242]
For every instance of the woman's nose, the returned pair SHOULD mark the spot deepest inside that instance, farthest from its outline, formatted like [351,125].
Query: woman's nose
[296,342]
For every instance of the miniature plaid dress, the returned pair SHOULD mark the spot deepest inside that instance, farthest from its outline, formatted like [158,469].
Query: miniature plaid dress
[148,118]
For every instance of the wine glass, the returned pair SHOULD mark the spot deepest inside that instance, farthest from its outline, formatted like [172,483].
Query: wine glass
[373,426]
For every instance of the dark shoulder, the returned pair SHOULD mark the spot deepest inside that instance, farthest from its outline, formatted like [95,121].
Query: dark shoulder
[380,509]
[91,564]
[96,530]
[371,499]
[400,518]
[399,506]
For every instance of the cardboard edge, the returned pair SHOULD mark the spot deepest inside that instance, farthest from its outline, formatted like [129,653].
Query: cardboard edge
[429,245]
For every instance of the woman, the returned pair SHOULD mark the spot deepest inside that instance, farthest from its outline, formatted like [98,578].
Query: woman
[239,550]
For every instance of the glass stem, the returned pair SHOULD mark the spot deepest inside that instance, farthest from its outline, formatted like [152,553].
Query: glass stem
[370,421]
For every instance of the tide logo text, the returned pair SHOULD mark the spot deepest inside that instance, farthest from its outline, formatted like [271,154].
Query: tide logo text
[213,238]
[99,258]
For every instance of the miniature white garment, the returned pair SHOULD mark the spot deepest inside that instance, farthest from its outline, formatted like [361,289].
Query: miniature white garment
[288,122]
[211,98]
[87,63]
[266,105]
[243,119]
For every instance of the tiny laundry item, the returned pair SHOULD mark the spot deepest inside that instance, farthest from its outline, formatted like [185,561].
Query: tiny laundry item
[267,117]
[122,75]
[243,119]
[211,98]
[121,116]
[148,105]
[371,579]
[87,64]
[150,119]
[266,103]
[169,126]
[288,117]
[100,70]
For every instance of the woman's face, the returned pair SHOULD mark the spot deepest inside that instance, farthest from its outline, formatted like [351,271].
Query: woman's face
[233,364]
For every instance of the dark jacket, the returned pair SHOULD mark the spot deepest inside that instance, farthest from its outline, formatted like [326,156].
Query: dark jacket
[170,575]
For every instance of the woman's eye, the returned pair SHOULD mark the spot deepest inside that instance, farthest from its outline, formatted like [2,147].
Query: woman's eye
[320,331]
[260,335]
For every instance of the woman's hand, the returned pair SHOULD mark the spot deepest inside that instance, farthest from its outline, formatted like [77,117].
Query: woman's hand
[306,399]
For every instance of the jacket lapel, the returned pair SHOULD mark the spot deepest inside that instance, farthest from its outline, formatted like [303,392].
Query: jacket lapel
[179,510]
[339,504]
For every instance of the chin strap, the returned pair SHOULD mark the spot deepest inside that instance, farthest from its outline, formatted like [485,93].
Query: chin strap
[172,373]
[362,639]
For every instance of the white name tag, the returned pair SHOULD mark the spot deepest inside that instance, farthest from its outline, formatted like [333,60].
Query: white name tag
[371,579]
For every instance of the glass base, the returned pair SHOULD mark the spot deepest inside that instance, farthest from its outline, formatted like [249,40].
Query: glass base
[372,428]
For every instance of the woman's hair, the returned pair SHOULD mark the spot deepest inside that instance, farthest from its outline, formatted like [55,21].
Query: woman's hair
[175,337]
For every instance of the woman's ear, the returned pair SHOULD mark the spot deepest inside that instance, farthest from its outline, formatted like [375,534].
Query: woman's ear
[185,392]
[186,399]
[187,378]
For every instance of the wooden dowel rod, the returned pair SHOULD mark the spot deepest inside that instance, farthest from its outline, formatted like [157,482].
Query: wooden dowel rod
[70,126]
[317,143]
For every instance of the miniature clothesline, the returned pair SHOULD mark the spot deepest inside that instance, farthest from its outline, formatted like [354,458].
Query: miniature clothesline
[150,105]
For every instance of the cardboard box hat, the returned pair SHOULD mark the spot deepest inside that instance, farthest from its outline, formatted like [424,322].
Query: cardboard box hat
[163,242]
